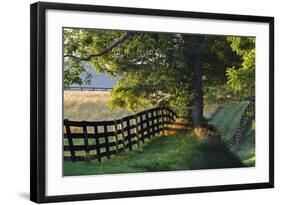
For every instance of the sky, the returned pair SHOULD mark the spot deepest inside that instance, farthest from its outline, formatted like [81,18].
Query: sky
[98,79]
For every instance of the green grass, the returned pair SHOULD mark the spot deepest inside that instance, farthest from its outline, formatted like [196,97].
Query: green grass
[226,120]
[162,153]
[210,110]
[246,148]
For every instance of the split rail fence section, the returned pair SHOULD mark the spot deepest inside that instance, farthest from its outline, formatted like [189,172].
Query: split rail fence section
[101,139]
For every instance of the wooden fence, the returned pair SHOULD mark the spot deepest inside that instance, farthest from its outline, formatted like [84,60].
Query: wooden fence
[87,88]
[101,139]
[248,114]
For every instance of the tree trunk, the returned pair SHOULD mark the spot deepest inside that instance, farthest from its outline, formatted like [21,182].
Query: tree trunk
[195,54]
[197,103]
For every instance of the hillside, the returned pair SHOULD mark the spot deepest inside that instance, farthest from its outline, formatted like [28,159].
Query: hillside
[226,120]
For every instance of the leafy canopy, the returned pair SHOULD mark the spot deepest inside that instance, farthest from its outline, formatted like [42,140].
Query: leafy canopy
[152,68]
[242,78]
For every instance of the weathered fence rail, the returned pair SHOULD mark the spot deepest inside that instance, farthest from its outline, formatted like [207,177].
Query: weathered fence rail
[87,88]
[101,139]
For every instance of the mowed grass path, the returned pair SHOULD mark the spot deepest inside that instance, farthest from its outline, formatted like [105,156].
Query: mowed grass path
[226,120]
[162,153]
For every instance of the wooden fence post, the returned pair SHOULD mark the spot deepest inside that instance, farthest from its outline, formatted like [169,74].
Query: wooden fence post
[162,120]
[169,116]
[157,120]
[69,138]
[141,124]
[129,134]
[116,136]
[148,125]
[122,133]
[86,141]
[153,124]
[106,142]
[137,131]
[165,115]
[97,142]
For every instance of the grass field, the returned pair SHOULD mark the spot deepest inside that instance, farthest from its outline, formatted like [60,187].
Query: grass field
[226,119]
[90,105]
[183,151]
[162,153]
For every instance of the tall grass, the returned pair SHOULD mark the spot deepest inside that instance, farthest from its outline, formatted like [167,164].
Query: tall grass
[90,106]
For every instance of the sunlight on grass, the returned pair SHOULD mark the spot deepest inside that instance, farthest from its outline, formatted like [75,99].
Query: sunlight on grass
[210,110]
[250,161]
[90,105]
[227,119]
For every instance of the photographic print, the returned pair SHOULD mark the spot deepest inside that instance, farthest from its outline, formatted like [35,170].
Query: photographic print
[137,101]
[130,102]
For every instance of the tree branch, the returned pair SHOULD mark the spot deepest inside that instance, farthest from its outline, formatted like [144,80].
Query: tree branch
[105,51]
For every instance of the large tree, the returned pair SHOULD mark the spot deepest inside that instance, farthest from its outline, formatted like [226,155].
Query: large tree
[152,68]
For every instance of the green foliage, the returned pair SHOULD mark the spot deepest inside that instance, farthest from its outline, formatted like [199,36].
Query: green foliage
[73,67]
[242,78]
[152,68]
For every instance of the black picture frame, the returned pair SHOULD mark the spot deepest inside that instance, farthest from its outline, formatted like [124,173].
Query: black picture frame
[38,101]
